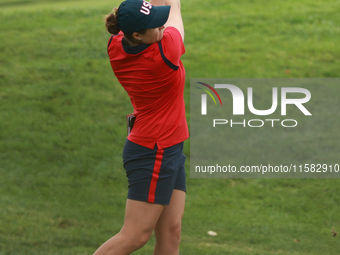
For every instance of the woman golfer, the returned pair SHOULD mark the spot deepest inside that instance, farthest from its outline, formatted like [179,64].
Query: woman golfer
[145,51]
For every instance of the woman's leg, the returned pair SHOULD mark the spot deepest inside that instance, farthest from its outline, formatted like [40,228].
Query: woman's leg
[168,226]
[140,220]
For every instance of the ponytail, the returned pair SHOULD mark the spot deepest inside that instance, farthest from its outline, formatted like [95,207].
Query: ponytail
[111,22]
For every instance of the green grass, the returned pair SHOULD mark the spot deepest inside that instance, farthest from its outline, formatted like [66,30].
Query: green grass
[62,128]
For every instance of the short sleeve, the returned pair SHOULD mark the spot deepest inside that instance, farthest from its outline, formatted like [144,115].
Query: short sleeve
[172,44]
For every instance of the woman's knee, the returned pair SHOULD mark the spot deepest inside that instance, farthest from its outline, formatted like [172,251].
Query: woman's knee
[169,234]
[136,240]
[142,239]
[175,233]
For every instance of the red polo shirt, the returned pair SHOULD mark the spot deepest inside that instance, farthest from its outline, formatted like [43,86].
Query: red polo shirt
[154,78]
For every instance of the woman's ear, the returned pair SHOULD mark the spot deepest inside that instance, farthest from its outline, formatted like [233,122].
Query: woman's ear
[137,36]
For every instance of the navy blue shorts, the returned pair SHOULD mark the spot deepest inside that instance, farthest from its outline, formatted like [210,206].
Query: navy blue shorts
[153,174]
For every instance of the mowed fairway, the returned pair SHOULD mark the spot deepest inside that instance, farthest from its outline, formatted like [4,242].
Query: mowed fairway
[62,128]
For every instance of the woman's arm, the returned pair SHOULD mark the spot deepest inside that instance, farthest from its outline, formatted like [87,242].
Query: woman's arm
[175,16]
[157,2]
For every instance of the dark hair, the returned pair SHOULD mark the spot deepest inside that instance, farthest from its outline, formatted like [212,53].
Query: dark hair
[112,26]
[111,22]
